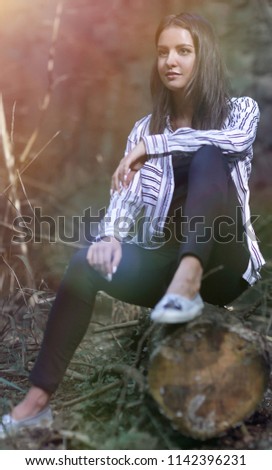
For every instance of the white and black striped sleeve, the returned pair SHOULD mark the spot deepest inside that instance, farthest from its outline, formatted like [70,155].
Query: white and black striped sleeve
[124,207]
[236,136]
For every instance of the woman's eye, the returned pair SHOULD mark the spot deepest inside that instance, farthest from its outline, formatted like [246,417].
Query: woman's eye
[184,51]
[162,53]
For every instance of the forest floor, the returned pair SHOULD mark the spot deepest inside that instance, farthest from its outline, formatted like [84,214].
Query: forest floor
[103,401]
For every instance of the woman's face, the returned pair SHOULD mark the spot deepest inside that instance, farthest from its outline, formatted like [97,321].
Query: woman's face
[176,57]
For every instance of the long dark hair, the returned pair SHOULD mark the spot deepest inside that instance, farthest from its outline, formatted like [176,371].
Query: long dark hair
[206,91]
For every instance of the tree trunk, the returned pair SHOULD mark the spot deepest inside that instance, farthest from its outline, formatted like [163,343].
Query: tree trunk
[208,375]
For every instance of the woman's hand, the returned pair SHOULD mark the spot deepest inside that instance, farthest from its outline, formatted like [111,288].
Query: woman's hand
[105,256]
[128,167]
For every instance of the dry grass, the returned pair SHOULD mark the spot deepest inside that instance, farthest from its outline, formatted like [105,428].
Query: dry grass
[102,404]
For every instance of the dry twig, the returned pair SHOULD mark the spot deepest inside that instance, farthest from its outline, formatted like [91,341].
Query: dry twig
[116,326]
[48,94]
[93,394]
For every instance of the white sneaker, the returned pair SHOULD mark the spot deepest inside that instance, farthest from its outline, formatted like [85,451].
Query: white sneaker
[174,308]
[10,426]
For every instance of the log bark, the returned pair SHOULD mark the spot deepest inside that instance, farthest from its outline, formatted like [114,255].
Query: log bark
[208,375]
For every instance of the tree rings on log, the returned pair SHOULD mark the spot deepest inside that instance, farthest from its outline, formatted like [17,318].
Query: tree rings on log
[208,375]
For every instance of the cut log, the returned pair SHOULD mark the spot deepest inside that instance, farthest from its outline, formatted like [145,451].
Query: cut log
[208,375]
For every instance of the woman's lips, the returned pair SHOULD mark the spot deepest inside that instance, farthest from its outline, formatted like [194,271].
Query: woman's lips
[172,75]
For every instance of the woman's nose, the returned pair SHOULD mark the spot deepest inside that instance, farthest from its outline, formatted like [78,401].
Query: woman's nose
[171,59]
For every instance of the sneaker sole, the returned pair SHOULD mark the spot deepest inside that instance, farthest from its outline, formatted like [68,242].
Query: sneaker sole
[172,316]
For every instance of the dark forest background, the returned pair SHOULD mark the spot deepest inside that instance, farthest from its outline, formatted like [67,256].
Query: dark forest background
[89,84]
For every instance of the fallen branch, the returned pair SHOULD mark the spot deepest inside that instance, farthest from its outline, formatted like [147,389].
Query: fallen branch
[208,375]
[116,326]
[93,394]
[128,371]
[79,436]
[73,374]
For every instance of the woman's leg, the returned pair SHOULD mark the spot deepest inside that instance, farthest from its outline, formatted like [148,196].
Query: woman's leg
[64,330]
[212,236]
[141,279]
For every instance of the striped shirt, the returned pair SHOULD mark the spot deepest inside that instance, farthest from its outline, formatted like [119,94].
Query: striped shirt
[138,214]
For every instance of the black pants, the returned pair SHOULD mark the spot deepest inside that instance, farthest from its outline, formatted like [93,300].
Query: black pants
[143,275]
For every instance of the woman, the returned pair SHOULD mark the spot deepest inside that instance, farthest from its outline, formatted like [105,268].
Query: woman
[178,225]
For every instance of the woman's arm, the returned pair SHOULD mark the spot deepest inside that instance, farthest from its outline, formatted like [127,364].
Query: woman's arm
[126,200]
[238,135]
[235,140]
[123,210]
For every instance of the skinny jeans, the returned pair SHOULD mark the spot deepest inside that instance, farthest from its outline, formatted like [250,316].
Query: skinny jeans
[209,205]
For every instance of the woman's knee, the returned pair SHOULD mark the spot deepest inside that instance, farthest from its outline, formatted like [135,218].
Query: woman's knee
[210,159]
[210,152]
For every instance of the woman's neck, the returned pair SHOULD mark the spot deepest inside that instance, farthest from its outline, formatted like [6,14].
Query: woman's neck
[181,121]
[182,114]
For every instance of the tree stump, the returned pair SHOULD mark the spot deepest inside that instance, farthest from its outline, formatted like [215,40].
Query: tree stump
[208,375]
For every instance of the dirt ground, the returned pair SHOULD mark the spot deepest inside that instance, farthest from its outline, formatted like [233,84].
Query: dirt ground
[103,402]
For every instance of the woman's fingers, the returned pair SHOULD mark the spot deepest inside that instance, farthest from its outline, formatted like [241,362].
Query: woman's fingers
[130,176]
[103,258]
[116,256]
[114,181]
[105,255]
[119,177]
[124,170]
[128,167]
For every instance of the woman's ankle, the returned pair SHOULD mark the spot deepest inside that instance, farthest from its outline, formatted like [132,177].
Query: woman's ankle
[187,278]
[34,402]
